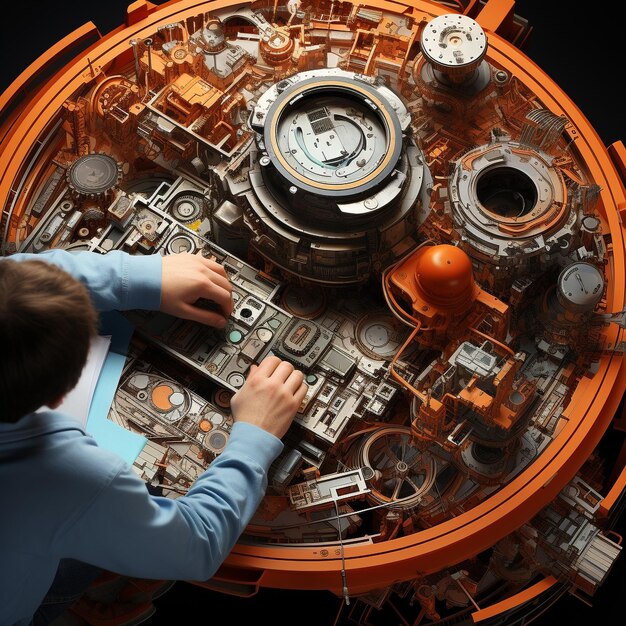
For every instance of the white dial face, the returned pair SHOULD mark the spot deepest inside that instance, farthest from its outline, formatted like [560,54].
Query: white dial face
[332,140]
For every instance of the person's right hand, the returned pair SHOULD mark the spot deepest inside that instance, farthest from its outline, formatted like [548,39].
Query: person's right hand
[270,396]
[187,278]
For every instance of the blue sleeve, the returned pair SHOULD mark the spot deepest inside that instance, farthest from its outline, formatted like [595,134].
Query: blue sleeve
[128,531]
[116,280]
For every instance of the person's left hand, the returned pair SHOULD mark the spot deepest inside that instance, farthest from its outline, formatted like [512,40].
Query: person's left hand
[187,278]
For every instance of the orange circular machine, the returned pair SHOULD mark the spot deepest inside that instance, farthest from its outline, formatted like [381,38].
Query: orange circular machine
[458,313]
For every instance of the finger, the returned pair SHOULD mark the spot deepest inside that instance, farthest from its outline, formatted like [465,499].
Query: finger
[294,381]
[221,297]
[268,365]
[217,267]
[214,266]
[283,371]
[253,372]
[196,314]
[301,393]
[207,283]
[218,279]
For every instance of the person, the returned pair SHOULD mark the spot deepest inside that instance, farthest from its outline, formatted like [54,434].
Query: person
[63,497]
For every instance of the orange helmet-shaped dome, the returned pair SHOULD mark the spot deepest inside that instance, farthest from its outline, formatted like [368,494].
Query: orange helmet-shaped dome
[444,276]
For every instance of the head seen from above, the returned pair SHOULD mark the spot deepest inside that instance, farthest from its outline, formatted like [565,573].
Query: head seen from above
[47,320]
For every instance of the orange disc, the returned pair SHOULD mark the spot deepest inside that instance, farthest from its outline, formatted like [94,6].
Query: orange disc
[161,397]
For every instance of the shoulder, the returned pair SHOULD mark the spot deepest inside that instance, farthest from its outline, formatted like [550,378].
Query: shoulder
[55,470]
[55,447]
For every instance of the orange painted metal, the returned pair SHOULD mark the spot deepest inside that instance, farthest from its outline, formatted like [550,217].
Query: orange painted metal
[589,413]
[438,275]
[616,491]
[494,14]
[527,595]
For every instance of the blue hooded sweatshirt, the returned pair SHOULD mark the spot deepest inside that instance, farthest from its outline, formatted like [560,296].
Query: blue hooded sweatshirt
[65,497]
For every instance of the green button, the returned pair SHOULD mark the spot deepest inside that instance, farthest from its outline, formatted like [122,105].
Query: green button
[274,324]
[235,336]
[311,379]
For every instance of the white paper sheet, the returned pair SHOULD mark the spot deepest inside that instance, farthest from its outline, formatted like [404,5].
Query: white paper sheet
[77,402]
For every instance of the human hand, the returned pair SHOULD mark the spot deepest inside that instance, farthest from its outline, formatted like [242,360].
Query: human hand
[270,396]
[188,277]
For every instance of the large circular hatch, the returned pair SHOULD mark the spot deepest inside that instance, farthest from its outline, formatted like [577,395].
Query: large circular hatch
[332,134]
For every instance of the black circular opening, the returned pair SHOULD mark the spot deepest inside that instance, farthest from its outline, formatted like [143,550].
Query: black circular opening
[506,191]
[487,454]
[246,313]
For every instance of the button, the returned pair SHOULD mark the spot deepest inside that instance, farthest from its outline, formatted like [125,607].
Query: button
[236,380]
[310,379]
[235,336]
[264,334]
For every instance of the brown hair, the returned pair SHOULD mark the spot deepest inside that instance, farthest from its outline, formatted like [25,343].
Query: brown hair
[47,320]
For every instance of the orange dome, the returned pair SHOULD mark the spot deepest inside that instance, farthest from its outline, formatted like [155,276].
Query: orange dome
[444,276]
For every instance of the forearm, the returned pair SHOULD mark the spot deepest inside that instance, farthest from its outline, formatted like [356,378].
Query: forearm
[128,531]
[115,280]
[223,504]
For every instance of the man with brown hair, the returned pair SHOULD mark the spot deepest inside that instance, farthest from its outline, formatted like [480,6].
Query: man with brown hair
[63,496]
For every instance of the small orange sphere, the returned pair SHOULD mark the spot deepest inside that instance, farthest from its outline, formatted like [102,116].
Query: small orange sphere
[444,276]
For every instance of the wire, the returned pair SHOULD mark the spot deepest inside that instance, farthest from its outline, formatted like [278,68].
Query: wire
[395,374]
[392,303]
[344,581]
[501,345]
[325,520]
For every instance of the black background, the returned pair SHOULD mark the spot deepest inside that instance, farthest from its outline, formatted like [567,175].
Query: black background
[581,47]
